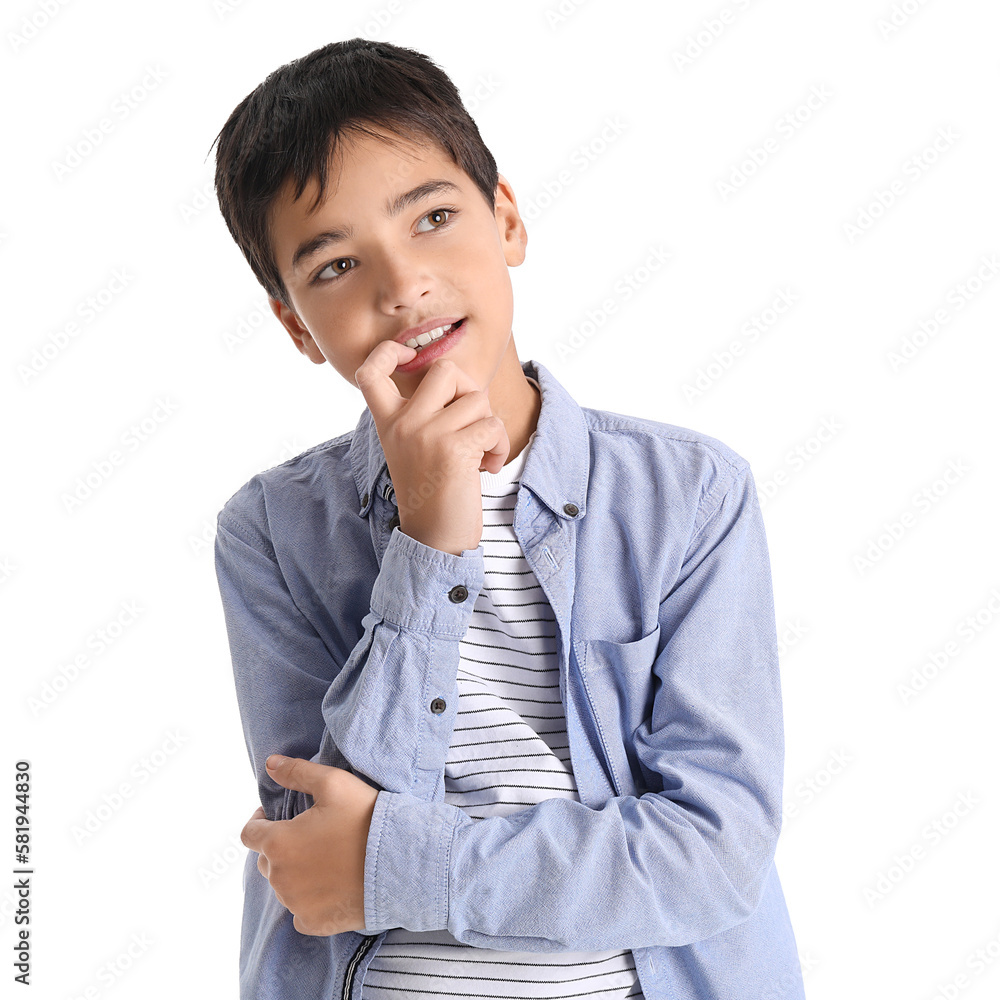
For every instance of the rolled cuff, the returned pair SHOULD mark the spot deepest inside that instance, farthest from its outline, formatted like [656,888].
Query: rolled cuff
[416,586]
[407,862]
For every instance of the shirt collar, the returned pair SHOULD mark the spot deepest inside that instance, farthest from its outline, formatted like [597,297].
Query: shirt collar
[556,470]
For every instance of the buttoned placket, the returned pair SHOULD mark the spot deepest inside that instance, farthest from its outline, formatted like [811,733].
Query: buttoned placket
[551,554]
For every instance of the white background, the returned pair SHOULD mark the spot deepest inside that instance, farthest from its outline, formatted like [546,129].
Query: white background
[188,344]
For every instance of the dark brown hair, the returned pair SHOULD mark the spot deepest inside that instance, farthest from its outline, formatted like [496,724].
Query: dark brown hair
[290,124]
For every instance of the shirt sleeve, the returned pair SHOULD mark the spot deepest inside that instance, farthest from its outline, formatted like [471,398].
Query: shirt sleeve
[299,697]
[668,867]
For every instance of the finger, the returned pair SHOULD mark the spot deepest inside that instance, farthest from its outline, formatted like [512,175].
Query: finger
[300,774]
[460,413]
[253,833]
[373,378]
[263,865]
[308,929]
[452,401]
[496,454]
[476,432]
[444,384]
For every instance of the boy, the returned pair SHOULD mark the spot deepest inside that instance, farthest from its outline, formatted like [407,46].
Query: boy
[519,656]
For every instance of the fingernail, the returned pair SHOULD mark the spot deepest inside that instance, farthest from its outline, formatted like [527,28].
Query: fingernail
[274,761]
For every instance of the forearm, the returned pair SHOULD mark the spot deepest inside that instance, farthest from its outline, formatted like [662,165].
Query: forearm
[560,876]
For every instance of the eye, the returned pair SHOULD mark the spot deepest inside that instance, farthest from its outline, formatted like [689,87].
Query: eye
[439,218]
[337,269]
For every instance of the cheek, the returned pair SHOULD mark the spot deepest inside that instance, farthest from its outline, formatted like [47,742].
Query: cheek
[480,266]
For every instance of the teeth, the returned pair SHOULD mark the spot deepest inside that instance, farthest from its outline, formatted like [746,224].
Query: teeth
[426,338]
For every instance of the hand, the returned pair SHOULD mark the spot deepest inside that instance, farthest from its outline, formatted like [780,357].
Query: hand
[436,443]
[315,861]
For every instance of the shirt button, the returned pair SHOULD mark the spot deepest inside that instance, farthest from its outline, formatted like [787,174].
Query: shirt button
[394,523]
[364,500]
[571,509]
[438,706]
[458,594]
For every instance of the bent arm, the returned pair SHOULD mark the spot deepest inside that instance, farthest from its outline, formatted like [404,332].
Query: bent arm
[675,865]
[368,711]
[672,866]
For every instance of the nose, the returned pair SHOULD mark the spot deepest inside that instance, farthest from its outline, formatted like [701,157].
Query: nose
[405,281]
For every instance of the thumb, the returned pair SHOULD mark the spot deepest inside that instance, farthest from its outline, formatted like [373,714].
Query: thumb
[297,773]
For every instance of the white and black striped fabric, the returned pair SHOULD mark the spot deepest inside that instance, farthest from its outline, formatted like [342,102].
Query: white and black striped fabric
[509,751]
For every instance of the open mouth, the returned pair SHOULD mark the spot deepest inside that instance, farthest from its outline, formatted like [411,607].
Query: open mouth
[418,343]
[437,343]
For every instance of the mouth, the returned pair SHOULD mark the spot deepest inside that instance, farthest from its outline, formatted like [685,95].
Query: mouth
[432,344]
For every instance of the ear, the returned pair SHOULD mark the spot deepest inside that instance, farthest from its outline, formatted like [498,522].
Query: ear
[513,235]
[301,337]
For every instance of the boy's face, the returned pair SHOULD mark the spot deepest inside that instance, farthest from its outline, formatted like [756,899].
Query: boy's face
[443,255]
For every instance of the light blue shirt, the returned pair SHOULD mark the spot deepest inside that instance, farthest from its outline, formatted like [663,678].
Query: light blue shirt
[648,541]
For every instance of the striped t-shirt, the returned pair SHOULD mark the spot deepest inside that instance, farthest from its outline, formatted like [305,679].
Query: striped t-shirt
[509,750]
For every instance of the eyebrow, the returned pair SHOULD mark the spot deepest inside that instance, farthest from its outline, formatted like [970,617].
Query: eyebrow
[393,207]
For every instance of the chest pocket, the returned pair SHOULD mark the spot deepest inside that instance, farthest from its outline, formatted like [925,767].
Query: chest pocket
[619,684]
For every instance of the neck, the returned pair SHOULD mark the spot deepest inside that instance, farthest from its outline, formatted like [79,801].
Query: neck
[516,401]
